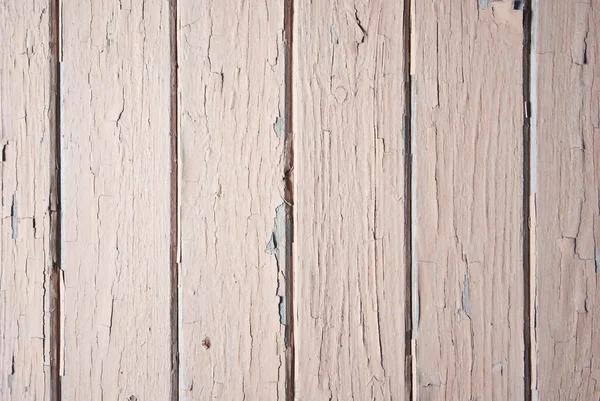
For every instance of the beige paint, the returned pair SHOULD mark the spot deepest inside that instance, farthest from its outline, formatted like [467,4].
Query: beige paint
[26,131]
[469,155]
[232,272]
[349,261]
[194,133]
[115,125]
[568,216]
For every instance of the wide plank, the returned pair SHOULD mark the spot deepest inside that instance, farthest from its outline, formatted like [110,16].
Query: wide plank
[469,228]
[26,241]
[567,248]
[116,108]
[349,200]
[233,270]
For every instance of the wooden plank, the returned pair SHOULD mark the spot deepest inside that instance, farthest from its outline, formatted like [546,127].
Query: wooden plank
[349,253]
[26,121]
[568,215]
[115,89]
[469,169]
[233,215]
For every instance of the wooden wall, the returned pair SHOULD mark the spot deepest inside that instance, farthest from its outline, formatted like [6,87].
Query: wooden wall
[299,200]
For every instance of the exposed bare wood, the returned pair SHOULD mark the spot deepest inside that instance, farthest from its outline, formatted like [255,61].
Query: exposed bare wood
[233,214]
[469,158]
[349,263]
[568,215]
[115,87]
[26,121]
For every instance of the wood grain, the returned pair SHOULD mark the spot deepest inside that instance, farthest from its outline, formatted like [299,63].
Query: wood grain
[26,129]
[233,214]
[115,90]
[469,169]
[349,260]
[568,216]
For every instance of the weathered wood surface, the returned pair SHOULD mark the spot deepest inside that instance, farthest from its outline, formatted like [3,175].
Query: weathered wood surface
[349,260]
[567,198]
[469,169]
[226,193]
[26,129]
[233,215]
[115,90]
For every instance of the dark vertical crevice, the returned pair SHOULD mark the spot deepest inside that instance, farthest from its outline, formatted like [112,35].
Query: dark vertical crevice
[55,206]
[174,258]
[410,333]
[288,22]
[527,193]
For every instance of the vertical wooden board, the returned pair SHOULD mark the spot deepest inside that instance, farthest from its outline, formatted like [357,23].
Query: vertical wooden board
[233,215]
[115,89]
[469,163]
[349,244]
[26,129]
[568,216]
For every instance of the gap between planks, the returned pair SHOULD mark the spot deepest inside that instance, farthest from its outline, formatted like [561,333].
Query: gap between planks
[288,25]
[410,212]
[175,256]
[529,197]
[55,207]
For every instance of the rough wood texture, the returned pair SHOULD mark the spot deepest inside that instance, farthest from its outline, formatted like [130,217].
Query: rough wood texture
[349,261]
[115,89]
[568,216]
[26,116]
[469,158]
[233,213]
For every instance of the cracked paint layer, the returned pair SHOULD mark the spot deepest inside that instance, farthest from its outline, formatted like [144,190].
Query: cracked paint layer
[26,130]
[350,289]
[567,229]
[469,153]
[234,263]
[116,183]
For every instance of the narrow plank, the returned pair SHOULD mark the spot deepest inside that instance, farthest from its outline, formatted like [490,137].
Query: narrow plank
[26,121]
[233,215]
[116,190]
[469,163]
[568,215]
[349,253]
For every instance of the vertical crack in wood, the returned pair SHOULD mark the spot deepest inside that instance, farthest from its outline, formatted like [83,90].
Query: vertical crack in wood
[175,206]
[55,273]
[411,303]
[289,198]
[529,192]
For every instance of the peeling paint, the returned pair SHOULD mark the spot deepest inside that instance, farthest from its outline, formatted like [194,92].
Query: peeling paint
[484,4]
[466,295]
[15,219]
[279,127]
[277,248]
[597,260]
[11,376]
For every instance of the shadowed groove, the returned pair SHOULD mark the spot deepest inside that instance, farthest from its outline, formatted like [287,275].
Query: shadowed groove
[288,23]
[410,307]
[528,192]
[175,224]
[55,206]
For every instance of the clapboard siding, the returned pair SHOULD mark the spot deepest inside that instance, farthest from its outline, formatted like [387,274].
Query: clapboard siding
[26,146]
[349,261]
[567,199]
[469,158]
[233,214]
[115,125]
